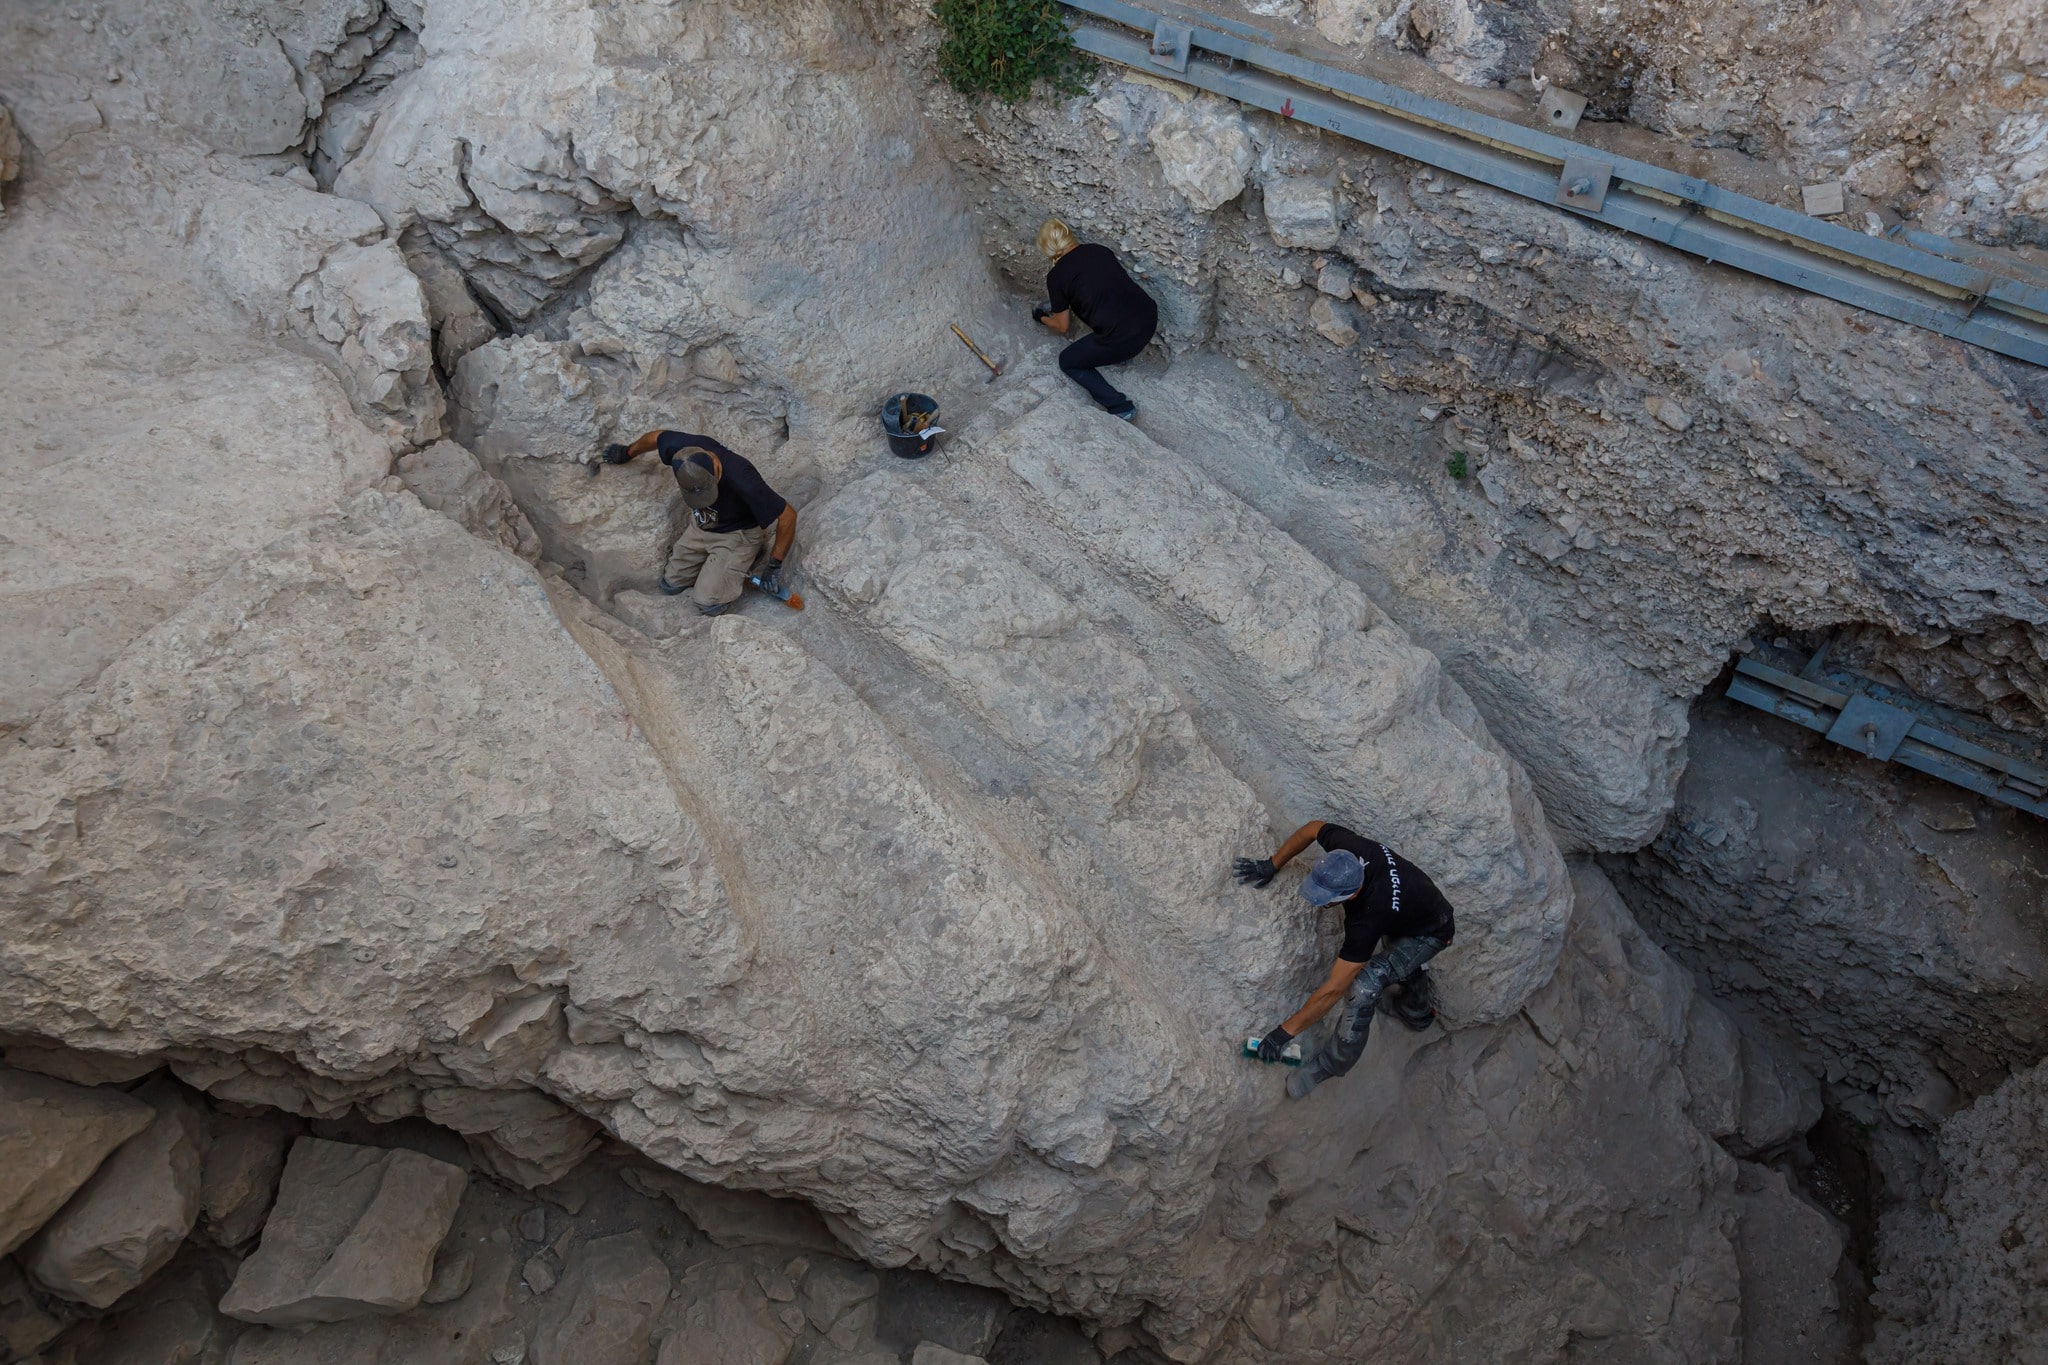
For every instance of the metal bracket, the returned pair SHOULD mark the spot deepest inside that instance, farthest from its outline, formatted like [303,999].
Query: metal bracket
[1561,108]
[1171,44]
[1583,183]
[1871,728]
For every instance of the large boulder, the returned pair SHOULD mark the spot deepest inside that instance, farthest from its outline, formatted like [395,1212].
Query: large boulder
[1388,740]
[527,143]
[126,1222]
[53,1136]
[353,1233]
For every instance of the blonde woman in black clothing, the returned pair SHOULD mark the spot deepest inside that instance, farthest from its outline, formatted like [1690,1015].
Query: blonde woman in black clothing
[1087,281]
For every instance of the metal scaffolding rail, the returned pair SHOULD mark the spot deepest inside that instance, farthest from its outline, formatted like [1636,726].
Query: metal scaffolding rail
[1955,290]
[1877,723]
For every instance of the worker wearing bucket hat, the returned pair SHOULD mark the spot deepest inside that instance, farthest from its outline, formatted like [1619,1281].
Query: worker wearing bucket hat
[1385,897]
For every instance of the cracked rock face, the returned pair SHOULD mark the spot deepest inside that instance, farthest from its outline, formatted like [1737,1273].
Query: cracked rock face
[381,791]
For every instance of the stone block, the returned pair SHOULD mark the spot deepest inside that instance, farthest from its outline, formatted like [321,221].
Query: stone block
[740,1218]
[354,1232]
[1204,151]
[931,1353]
[127,1221]
[239,1178]
[603,1311]
[725,1321]
[518,1135]
[1301,212]
[1823,200]
[53,1136]
[1331,325]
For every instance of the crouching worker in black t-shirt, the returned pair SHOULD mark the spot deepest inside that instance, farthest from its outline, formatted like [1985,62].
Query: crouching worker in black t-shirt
[1086,281]
[1384,897]
[732,512]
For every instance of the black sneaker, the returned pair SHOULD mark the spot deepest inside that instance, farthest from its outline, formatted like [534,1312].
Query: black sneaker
[715,609]
[1128,412]
[669,589]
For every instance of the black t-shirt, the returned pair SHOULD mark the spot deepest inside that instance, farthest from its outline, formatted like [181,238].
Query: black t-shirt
[1090,280]
[1398,899]
[745,500]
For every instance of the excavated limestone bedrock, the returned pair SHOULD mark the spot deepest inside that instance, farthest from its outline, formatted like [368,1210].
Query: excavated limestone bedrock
[353,768]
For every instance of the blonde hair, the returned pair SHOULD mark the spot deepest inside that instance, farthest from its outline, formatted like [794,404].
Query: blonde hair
[1055,238]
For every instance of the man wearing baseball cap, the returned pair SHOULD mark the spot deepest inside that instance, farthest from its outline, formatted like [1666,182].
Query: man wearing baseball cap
[732,509]
[1384,897]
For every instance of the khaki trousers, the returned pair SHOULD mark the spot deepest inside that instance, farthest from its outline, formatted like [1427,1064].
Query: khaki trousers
[713,564]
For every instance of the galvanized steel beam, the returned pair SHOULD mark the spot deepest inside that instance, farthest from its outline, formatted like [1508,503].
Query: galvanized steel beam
[1961,298]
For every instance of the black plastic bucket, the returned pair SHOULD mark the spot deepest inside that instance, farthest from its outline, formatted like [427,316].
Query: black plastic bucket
[911,445]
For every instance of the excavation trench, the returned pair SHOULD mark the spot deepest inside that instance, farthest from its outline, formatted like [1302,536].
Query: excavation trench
[865,983]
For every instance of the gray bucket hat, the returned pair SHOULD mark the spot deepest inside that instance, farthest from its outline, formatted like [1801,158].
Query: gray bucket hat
[1335,877]
[699,484]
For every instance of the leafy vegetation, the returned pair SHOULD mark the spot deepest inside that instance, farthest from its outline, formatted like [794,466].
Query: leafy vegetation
[1456,464]
[1005,47]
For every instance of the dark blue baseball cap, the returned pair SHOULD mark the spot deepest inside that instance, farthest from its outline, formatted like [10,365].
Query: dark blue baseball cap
[1335,877]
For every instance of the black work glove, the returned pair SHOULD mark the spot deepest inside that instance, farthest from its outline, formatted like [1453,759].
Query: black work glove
[1254,871]
[771,576]
[616,454]
[1272,1043]
[1040,312]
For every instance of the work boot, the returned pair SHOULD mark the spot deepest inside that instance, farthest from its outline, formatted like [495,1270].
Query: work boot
[669,589]
[1413,1003]
[1303,1079]
[715,609]
[1128,412]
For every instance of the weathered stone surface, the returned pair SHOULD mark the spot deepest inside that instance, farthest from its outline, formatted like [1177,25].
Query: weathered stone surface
[127,499]
[53,1136]
[238,1179]
[724,1321]
[612,530]
[1204,151]
[1783,856]
[27,1322]
[448,479]
[1330,322]
[518,1135]
[529,181]
[126,1222]
[1301,211]
[353,1233]
[10,148]
[931,1353]
[521,396]
[736,1218]
[603,1311]
[1964,1279]
[460,323]
[77,1066]
[1395,742]
[1788,1251]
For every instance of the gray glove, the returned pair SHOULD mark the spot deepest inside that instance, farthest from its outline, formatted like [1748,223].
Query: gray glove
[1254,871]
[1273,1043]
[770,577]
